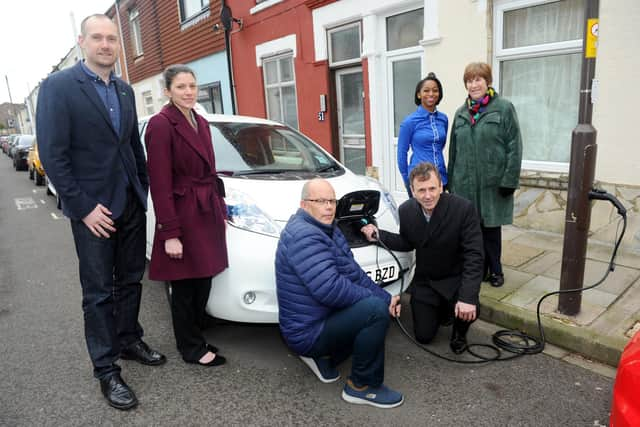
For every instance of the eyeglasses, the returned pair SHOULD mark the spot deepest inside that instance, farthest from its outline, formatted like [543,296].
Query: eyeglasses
[330,202]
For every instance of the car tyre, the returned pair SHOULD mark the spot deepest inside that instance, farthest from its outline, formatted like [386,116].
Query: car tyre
[31,177]
[39,179]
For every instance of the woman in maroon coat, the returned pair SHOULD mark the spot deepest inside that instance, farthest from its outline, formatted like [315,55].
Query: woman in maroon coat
[189,246]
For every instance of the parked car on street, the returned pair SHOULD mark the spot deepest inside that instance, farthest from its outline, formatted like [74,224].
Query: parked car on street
[4,142]
[13,139]
[264,165]
[625,406]
[20,151]
[36,171]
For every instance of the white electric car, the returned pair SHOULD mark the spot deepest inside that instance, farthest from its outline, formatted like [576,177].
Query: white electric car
[264,165]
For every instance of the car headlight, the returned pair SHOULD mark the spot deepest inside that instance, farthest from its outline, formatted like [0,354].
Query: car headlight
[244,213]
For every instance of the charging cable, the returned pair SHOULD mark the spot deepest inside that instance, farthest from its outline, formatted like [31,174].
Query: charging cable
[512,341]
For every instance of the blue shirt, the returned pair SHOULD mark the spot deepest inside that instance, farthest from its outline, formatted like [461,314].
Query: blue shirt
[426,134]
[108,94]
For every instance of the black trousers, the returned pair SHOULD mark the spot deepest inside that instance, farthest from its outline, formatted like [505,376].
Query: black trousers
[110,274]
[429,314]
[492,240]
[188,302]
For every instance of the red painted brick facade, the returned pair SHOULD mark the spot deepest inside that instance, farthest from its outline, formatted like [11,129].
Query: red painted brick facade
[165,39]
[313,78]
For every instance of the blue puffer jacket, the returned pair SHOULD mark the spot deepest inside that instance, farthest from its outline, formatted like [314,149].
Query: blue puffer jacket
[316,274]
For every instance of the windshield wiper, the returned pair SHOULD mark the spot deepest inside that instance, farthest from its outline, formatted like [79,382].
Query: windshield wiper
[327,168]
[265,171]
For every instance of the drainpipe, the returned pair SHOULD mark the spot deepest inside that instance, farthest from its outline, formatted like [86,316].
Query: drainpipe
[124,52]
[227,47]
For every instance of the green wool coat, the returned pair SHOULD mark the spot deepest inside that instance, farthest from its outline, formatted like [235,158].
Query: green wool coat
[484,157]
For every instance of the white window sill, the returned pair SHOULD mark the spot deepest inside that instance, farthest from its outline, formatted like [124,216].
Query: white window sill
[264,5]
[195,19]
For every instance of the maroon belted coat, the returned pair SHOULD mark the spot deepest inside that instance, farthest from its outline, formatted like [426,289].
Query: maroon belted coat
[187,197]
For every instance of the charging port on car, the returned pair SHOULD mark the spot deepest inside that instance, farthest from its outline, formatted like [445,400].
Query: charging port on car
[355,210]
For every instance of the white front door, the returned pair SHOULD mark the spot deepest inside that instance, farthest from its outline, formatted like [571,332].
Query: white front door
[350,105]
[404,72]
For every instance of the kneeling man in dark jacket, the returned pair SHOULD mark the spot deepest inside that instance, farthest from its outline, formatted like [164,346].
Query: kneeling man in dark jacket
[444,230]
[329,308]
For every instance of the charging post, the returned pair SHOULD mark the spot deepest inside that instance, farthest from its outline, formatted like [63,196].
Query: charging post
[581,175]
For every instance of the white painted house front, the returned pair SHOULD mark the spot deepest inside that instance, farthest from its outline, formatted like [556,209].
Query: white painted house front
[535,49]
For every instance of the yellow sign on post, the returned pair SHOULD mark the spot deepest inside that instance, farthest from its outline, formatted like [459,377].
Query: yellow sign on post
[592,38]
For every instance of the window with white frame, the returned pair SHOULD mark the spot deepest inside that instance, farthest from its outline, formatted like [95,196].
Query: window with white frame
[210,97]
[147,99]
[280,89]
[136,35]
[191,8]
[344,44]
[538,55]
[405,29]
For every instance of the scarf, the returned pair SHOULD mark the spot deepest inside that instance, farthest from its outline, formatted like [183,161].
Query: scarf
[477,107]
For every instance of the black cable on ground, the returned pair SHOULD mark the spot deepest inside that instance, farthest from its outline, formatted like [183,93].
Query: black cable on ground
[510,341]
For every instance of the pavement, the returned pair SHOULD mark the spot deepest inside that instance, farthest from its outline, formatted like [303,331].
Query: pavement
[532,261]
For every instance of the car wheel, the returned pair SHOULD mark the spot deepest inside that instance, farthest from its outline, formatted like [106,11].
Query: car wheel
[31,174]
[39,179]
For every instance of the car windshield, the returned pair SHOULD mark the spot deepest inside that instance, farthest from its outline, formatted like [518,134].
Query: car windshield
[26,141]
[262,149]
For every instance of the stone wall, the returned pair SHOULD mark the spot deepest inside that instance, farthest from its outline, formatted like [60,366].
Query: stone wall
[541,203]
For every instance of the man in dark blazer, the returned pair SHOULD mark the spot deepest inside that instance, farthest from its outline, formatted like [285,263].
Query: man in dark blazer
[89,144]
[444,230]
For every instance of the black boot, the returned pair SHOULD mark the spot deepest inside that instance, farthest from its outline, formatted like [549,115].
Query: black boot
[496,280]
[458,343]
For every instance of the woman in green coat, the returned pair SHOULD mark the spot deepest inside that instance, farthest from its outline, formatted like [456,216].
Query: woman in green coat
[485,153]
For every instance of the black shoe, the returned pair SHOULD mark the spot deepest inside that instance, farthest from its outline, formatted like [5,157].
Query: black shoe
[458,343]
[117,392]
[217,361]
[140,352]
[458,346]
[496,280]
[212,348]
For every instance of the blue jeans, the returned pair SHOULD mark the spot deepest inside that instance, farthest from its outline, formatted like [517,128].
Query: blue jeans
[358,331]
[110,274]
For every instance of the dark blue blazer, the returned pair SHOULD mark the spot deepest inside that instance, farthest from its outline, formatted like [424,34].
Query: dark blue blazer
[81,152]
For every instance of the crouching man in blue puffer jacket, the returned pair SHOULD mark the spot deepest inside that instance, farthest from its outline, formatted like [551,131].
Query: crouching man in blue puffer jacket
[329,308]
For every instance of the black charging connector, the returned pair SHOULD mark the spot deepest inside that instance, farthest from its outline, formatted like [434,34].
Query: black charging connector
[600,194]
[515,342]
[366,221]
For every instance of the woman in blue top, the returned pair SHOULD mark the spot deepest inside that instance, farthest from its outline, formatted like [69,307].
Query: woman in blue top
[424,131]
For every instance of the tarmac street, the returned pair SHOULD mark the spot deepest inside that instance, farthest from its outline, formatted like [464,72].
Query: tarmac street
[46,378]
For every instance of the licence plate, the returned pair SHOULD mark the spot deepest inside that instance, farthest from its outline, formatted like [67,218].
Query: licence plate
[384,273]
